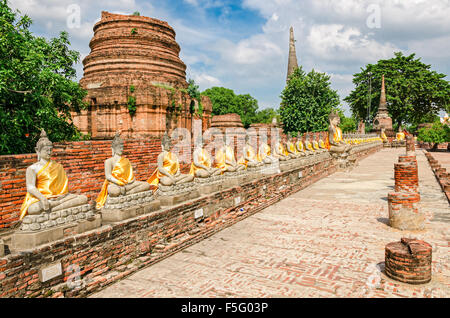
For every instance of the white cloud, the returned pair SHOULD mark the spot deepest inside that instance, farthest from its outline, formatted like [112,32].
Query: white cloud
[331,35]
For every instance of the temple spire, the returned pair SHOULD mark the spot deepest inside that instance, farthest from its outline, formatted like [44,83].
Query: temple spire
[383,104]
[292,62]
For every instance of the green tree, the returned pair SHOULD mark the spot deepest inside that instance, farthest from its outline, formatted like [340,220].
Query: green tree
[225,101]
[306,102]
[265,116]
[348,124]
[36,85]
[436,134]
[413,90]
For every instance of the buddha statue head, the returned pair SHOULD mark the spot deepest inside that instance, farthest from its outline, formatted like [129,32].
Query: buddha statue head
[334,118]
[166,143]
[117,145]
[44,147]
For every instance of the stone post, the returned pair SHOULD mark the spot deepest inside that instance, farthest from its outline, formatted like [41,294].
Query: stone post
[404,213]
[409,261]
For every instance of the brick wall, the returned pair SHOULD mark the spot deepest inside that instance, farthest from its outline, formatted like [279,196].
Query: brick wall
[114,251]
[84,165]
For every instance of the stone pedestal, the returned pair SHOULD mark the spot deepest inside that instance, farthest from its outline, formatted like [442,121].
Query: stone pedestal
[24,240]
[117,215]
[408,261]
[404,213]
[169,200]
[172,195]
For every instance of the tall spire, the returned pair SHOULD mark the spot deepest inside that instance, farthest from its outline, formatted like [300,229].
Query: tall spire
[383,103]
[292,62]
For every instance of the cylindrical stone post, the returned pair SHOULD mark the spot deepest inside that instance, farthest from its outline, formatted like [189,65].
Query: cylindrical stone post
[406,175]
[410,145]
[409,261]
[404,213]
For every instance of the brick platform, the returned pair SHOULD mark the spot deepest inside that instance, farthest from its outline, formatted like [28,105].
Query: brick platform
[409,261]
[113,251]
[440,172]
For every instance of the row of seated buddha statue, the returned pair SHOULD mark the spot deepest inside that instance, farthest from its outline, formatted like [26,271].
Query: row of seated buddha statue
[48,202]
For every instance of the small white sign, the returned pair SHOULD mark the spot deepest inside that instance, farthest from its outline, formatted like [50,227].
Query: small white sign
[237,200]
[300,174]
[198,213]
[50,272]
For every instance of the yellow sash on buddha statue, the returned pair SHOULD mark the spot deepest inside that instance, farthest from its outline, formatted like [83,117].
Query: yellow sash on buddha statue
[327,141]
[315,145]
[292,147]
[322,144]
[309,146]
[250,154]
[51,181]
[383,136]
[122,172]
[300,143]
[223,156]
[203,159]
[170,163]
[337,137]
[400,136]
[265,152]
[282,149]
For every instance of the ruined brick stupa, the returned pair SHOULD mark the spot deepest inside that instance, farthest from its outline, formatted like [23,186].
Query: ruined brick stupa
[134,63]
[382,119]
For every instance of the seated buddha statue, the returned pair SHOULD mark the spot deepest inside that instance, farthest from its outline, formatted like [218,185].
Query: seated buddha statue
[280,152]
[400,136]
[226,161]
[47,184]
[291,149]
[316,146]
[168,173]
[201,165]
[264,154]
[322,145]
[249,158]
[383,135]
[309,146]
[337,145]
[299,146]
[119,177]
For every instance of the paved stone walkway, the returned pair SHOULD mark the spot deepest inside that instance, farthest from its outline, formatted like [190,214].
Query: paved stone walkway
[324,241]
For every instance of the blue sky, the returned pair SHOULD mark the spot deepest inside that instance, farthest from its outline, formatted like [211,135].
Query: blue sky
[243,45]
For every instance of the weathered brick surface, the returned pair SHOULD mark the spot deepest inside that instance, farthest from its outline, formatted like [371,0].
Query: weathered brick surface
[114,251]
[409,261]
[132,56]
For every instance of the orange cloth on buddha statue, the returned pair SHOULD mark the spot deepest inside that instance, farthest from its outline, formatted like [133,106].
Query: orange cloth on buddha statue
[51,181]
[122,172]
[250,154]
[222,156]
[170,163]
[204,159]
[265,149]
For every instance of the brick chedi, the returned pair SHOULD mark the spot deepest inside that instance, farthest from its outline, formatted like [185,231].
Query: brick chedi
[134,61]
[382,119]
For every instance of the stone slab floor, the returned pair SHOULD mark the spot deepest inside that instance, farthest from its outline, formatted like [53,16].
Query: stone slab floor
[325,241]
